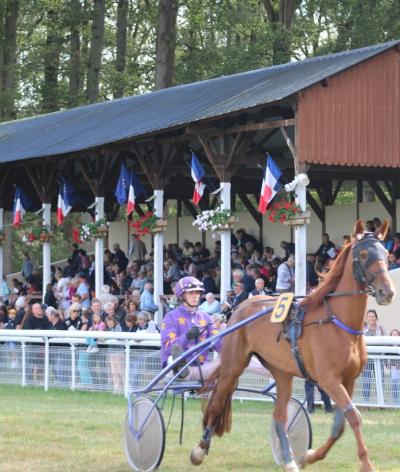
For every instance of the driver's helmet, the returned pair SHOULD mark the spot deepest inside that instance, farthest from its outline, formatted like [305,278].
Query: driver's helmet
[188,284]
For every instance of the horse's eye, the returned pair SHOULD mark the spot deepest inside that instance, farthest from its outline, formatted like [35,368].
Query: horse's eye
[364,254]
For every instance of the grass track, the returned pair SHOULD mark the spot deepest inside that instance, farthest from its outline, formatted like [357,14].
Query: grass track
[62,431]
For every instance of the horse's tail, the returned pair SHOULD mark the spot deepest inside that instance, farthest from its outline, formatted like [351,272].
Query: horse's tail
[223,417]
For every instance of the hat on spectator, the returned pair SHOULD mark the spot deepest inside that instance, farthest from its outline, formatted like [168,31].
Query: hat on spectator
[43,306]
[82,274]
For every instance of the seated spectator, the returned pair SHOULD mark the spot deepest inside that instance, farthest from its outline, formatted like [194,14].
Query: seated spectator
[146,323]
[147,299]
[68,271]
[189,268]
[131,324]
[393,264]
[74,322]
[56,322]
[325,246]
[311,274]
[188,249]
[35,318]
[10,323]
[20,306]
[260,288]
[267,255]
[255,258]
[211,305]
[396,246]
[240,294]
[49,298]
[27,267]
[171,273]
[201,254]
[131,308]
[370,228]
[83,290]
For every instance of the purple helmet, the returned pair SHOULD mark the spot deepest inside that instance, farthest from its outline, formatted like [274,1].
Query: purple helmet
[188,284]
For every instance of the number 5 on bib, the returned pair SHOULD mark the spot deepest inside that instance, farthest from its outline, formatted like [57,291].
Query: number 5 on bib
[281,308]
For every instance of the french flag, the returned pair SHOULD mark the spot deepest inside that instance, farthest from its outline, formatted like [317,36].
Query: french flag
[130,207]
[270,184]
[64,203]
[21,204]
[198,174]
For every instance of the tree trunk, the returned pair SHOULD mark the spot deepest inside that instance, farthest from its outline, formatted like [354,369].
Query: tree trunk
[96,49]
[75,54]
[280,15]
[8,60]
[120,63]
[166,44]
[51,63]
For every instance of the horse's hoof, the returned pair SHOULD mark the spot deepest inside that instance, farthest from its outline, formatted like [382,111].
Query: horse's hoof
[291,467]
[197,455]
[307,458]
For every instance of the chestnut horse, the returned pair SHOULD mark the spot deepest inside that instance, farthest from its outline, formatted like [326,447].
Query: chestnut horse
[333,352]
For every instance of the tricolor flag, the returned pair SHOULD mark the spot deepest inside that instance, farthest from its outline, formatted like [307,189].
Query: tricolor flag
[65,201]
[21,205]
[130,207]
[270,184]
[197,175]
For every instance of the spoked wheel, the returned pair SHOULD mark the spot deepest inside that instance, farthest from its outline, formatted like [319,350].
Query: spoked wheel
[299,432]
[144,439]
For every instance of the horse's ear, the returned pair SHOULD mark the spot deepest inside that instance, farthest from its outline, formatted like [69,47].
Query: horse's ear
[381,232]
[359,229]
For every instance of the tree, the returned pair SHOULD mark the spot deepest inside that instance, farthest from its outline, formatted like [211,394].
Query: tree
[96,50]
[166,43]
[8,50]
[120,61]
[74,72]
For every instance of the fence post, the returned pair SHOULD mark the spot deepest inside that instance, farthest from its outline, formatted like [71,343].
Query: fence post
[73,367]
[46,364]
[379,382]
[127,367]
[23,353]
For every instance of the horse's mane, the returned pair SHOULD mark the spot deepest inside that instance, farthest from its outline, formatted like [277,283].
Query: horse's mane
[329,280]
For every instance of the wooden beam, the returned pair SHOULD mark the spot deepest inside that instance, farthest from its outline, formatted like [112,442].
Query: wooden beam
[242,128]
[320,212]
[85,172]
[292,149]
[389,206]
[253,212]
[335,192]
[35,183]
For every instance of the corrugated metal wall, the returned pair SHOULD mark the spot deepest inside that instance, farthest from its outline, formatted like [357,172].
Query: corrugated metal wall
[355,119]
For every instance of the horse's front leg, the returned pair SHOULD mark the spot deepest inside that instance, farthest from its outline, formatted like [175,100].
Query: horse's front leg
[199,452]
[345,409]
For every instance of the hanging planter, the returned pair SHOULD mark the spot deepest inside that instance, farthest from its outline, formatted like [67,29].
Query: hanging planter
[93,230]
[215,220]
[31,235]
[161,226]
[299,219]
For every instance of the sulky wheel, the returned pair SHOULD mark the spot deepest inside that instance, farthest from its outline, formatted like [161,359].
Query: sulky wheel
[144,435]
[299,432]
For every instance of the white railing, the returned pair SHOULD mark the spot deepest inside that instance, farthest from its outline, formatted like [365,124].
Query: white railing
[124,361]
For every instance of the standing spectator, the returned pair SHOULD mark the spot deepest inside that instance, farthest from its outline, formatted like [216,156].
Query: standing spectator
[11,346]
[147,299]
[5,291]
[75,259]
[309,387]
[209,282]
[243,237]
[119,258]
[116,357]
[373,329]
[322,251]
[211,305]
[285,277]
[311,274]
[395,373]
[137,250]
[97,325]
[59,355]
[20,306]
[83,291]
[288,247]
[68,270]
[27,267]
[49,298]
[84,261]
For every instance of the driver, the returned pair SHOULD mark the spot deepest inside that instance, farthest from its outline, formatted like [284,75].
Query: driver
[185,326]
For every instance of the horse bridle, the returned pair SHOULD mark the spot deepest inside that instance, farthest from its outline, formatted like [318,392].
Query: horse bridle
[366,251]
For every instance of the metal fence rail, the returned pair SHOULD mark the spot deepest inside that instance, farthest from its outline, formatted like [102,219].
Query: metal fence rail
[120,362]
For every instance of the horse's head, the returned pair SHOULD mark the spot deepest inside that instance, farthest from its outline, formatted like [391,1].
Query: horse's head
[370,266]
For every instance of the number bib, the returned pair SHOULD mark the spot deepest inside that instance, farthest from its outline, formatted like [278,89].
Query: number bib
[282,306]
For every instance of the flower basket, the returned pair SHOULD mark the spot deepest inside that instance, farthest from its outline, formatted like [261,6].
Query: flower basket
[93,230]
[302,218]
[31,235]
[285,212]
[161,226]
[146,224]
[45,237]
[2,238]
[215,220]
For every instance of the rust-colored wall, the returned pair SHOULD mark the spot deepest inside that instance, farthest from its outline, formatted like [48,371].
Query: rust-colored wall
[355,120]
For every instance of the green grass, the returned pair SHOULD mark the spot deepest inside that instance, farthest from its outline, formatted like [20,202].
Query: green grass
[81,432]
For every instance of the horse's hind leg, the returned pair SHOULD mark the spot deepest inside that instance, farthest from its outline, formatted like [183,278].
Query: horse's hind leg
[345,409]
[217,417]
[284,392]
